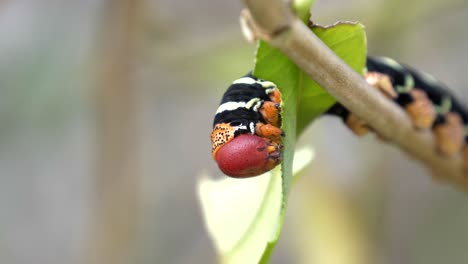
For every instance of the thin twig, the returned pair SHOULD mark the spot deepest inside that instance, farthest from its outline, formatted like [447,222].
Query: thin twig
[286,32]
[114,224]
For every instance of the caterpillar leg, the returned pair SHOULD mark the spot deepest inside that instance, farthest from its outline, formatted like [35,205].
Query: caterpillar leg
[269,131]
[420,110]
[275,96]
[357,125]
[382,82]
[354,123]
[271,113]
[450,135]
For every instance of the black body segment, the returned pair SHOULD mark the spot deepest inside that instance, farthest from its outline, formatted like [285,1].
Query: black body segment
[242,101]
[243,92]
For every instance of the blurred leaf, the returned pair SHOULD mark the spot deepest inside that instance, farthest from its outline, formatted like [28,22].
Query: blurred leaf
[326,227]
[302,9]
[242,215]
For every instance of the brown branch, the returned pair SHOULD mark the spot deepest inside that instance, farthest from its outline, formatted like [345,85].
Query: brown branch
[283,30]
[113,231]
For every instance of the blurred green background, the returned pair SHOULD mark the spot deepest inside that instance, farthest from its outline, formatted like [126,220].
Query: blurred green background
[105,115]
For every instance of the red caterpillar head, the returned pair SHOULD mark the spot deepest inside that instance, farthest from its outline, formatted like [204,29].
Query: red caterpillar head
[247,155]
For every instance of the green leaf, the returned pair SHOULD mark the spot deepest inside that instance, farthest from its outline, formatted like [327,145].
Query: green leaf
[303,99]
[348,41]
[287,77]
[302,9]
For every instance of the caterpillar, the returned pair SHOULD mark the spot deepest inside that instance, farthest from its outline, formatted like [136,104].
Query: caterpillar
[247,136]
[427,101]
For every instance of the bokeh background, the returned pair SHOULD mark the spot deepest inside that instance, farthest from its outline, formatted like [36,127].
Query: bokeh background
[105,115]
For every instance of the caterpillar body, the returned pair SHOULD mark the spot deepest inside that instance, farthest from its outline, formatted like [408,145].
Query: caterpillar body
[427,101]
[247,136]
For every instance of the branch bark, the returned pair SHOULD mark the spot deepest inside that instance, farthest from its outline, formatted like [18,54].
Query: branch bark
[279,27]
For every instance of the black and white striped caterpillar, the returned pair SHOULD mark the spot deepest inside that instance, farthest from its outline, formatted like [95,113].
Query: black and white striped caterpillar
[247,138]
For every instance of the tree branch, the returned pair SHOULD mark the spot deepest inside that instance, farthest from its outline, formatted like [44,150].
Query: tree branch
[278,26]
[114,227]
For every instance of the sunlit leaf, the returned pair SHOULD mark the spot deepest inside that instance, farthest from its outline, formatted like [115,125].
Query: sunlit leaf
[241,215]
